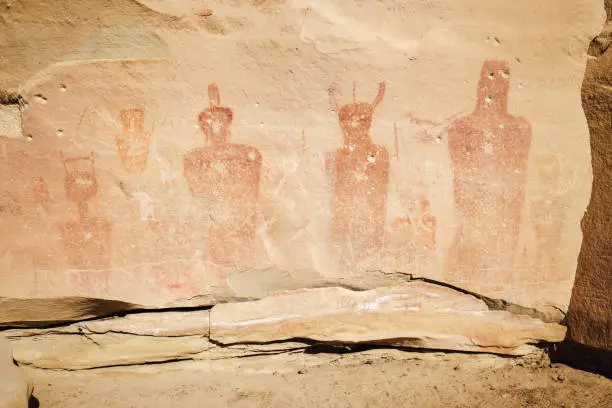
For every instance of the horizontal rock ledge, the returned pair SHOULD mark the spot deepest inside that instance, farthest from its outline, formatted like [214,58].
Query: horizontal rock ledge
[414,314]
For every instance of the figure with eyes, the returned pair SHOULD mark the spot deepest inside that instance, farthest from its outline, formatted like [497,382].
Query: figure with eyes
[359,177]
[224,178]
[489,150]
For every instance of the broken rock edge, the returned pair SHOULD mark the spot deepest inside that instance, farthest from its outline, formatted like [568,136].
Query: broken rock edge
[87,309]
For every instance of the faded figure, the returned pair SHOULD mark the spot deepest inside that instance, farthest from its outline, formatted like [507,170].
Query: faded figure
[87,240]
[549,207]
[489,150]
[133,142]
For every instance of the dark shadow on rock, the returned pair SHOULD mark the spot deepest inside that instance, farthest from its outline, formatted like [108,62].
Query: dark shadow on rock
[19,313]
[582,357]
[33,402]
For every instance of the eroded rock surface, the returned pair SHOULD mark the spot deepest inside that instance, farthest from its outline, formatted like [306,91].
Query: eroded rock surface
[590,313]
[415,315]
[15,386]
[158,175]
[173,155]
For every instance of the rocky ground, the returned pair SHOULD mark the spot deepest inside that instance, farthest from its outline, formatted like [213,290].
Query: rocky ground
[371,378]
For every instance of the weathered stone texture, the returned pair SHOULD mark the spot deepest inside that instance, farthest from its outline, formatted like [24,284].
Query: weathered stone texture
[416,315]
[171,156]
[590,312]
[15,386]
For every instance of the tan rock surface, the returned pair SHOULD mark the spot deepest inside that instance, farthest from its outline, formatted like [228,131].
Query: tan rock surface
[590,312]
[82,351]
[15,386]
[415,315]
[134,339]
[157,324]
[10,121]
[167,324]
[112,193]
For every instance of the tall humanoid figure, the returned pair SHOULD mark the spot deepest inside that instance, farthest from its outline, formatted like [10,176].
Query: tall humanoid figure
[489,150]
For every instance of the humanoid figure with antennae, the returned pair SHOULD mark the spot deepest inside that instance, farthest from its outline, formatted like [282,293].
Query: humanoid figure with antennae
[360,177]
[224,178]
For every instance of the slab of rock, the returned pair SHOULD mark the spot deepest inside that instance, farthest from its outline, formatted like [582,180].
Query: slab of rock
[416,315]
[15,386]
[164,324]
[132,339]
[157,324]
[82,351]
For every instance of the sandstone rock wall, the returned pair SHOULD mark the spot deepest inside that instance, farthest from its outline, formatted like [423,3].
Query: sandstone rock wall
[15,386]
[416,314]
[590,313]
[190,153]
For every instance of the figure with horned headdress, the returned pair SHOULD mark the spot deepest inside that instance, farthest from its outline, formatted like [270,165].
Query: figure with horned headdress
[360,177]
[224,178]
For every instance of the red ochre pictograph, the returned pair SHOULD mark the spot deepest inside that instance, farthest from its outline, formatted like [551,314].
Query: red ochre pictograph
[411,235]
[488,150]
[224,177]
[133,142]
[360,178]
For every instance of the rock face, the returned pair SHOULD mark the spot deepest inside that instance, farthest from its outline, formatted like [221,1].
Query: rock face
[590,313]
[171,155]
[15,387]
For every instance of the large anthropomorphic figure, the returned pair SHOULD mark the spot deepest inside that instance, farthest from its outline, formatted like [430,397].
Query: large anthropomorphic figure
[489,150]
[360,177]
[224,178]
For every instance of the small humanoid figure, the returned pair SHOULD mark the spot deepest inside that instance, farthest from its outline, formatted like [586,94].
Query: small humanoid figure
[133,142]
